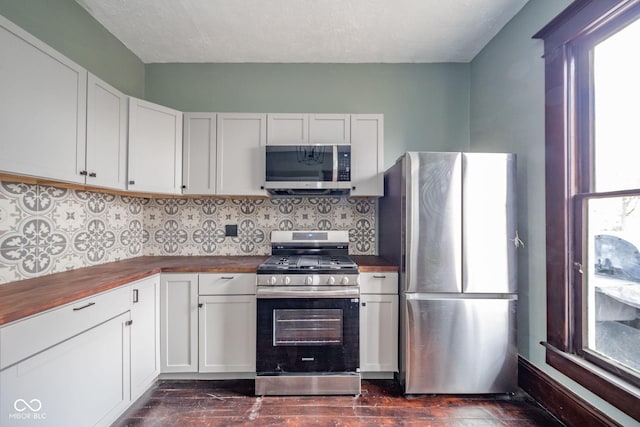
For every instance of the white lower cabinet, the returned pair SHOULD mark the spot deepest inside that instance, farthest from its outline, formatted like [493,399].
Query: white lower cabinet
[83,381]
[227,333]
[145,334]
[227,323]
[179,322]
[378,323]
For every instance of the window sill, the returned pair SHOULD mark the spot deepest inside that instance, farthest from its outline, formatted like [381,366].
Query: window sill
[612,389]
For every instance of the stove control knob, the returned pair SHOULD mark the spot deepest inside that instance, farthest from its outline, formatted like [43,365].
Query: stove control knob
[308,280]
[344,281]
[286,280]
[331,280]
[272,280]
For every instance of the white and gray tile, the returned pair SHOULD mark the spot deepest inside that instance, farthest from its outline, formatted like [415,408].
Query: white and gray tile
[46,229]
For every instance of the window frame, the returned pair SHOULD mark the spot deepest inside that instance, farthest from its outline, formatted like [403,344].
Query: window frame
[568,142]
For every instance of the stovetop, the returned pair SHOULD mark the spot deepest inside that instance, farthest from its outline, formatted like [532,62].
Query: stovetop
[308,264]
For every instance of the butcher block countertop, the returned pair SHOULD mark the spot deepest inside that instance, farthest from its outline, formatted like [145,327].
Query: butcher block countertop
[31,296]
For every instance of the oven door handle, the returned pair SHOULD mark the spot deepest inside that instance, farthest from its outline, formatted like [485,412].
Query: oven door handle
[308,292]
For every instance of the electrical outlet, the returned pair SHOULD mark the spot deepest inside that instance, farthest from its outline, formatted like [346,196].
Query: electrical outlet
[231,230]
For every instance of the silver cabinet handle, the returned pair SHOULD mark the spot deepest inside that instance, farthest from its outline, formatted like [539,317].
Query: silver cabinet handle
[379,277]
[84,306]
[135,295]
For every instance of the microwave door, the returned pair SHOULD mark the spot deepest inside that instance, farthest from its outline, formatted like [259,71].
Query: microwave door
[299,163]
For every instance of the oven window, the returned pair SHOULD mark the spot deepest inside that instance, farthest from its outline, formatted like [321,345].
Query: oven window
[312,326]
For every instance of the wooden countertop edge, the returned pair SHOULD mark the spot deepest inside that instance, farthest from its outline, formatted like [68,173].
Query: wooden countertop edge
[120,278]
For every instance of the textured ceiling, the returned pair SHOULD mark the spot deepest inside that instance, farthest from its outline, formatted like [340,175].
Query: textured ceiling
[306,31]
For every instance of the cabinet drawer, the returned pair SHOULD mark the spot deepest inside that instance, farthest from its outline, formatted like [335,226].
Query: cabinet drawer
[227,284]
[24,338]
[379,283]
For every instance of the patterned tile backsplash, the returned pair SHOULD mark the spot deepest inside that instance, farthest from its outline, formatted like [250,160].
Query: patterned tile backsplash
[46,229]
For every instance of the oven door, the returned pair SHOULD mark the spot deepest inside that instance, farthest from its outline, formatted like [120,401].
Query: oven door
[307,332]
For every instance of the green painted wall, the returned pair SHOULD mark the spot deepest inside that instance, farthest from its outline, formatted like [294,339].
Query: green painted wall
[507,114]
[68,28]
[426,106]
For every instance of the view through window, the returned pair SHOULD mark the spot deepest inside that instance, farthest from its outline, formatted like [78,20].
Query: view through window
[613,205]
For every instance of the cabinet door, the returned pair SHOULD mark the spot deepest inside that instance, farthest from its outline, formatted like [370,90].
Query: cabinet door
[228,333]
[43,100]
[179,323]
[199,154]
[145,334]
[378,333]
[367,155]
[288,129]
[83,381]
[240,163]
[329,129]
[155,148]
[106,135]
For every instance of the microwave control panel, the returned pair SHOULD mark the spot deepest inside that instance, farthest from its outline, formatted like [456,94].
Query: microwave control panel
[344,163]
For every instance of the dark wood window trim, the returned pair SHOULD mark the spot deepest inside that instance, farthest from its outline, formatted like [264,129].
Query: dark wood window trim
[565,164]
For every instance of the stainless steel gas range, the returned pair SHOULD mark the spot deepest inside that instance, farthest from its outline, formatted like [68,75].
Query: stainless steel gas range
[308,316]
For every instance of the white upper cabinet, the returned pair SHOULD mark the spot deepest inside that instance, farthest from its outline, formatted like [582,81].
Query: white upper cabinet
[199,154]
[106,164]
[43,99]
[329,129]
[367,151]
[302,129]
[241,138]
[287,129]
[155,148]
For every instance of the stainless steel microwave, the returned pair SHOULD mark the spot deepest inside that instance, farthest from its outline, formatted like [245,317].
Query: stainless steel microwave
[308,169]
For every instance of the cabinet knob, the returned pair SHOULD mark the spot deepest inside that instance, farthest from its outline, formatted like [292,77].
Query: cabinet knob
[353,188]
[132,182]
[200,305]
[364,304]
[262,187]
[184,186]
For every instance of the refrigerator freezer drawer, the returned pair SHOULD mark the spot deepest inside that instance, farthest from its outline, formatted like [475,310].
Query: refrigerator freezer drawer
[459,346]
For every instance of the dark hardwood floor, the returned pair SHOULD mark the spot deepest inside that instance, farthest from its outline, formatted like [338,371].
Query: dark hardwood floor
[232,403]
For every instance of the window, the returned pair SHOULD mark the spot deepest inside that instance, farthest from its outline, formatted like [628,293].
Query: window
[610,235]
[592,65]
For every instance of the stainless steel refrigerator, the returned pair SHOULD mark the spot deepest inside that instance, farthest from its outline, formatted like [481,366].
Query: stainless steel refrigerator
[449,221]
